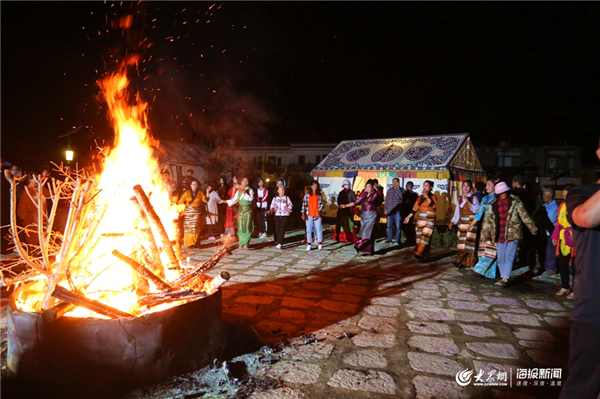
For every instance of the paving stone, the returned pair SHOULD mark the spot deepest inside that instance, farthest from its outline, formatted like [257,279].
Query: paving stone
[537,345]
[421,294]
[239,278]
[509,309]
[433,364]
[236,266]
[296,373]
[477,331]
[297,303]
[525,320]
[384,311]
[279,393]
[382,325]
[268,289]
[319,350]
[335,306]
[432,314]
[557,314]
[268,268]
[537,304]
[425,286]
[255,299]
[387,301]
[456,287]
[466,305]
[560,322]
[355,280]
[462,296]
[425,303]
[256,273]
[423,327]
[472,317]
[547,358]
[503,351]
[307,294]
[428,388]
[534,335]
[493,300]
[346,298]
[277,265]
[377,340]
[349,289]
[433,344]
[370,381]
[316,286]
[287,314]
[370,358]
[296,270]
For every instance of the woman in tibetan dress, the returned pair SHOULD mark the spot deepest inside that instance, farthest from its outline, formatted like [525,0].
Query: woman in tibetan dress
[424,210]
[467,206]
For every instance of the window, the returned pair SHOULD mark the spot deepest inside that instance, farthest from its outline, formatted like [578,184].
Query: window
[301,159]
[272,160]
[318,159]
[278,161]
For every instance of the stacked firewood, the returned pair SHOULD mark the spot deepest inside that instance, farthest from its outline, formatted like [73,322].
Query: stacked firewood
[59,255]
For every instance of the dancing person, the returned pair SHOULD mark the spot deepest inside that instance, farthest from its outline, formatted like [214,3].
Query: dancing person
[222,208]
[312,209]
[344,223]
[487,264]
[212,211]
[244,197]
[562,239]
[528,245]
[503,225]
[548,222]
[425,205]
[369,202]
[468,204]
[583,210]
[393,205]
[408,201]
[262,206]
[231,213]
[194,202]
[281,208]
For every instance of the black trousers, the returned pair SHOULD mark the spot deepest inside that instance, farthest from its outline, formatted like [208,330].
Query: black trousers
[261,219]
[528,248]
[563,268]
[409,230]
[584,367]
[280,225]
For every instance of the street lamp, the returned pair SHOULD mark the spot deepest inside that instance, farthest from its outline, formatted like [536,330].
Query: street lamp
[69,155]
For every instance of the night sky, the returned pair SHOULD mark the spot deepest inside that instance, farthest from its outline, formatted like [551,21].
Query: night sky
[274,73]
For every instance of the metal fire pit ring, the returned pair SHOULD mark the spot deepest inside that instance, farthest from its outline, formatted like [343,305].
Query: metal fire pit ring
[119,352]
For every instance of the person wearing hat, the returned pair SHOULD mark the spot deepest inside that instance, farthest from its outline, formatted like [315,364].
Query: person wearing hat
[503,225]
[344,224]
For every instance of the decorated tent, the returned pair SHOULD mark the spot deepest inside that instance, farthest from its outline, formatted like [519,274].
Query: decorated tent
[447,160]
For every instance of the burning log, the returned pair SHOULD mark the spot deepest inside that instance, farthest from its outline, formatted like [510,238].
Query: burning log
[143,271]
[57,311]
[79,300]
[158,226]
[218,282]
[146,231]
[198,271]
[164,297]
[177,241]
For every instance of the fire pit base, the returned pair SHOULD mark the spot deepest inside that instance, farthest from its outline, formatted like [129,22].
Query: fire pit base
[120,352]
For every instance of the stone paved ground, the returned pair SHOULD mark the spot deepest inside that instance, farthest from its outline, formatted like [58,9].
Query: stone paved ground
[410,327]
[385,326]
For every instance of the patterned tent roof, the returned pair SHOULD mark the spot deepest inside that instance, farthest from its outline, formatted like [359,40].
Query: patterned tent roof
[405,153]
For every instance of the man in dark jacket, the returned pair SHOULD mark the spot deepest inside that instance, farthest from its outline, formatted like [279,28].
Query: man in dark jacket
[528,245]
[408,201]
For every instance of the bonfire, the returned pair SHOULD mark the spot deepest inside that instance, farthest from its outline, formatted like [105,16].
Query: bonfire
[120,253]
